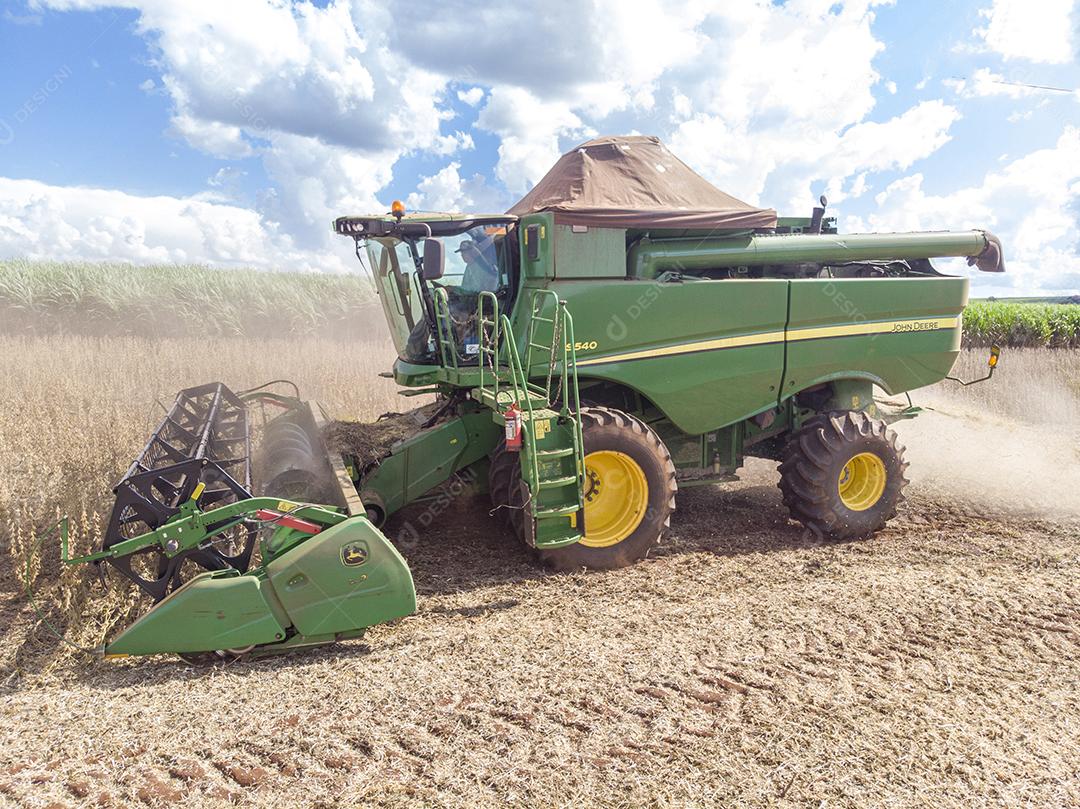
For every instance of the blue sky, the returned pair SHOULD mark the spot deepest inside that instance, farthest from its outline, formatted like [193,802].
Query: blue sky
[230,133]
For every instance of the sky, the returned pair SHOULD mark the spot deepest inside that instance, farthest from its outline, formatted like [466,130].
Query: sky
[231,133]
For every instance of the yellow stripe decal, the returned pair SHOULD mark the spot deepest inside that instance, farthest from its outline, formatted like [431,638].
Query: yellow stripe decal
[890,327]
[793,335]
[686,348]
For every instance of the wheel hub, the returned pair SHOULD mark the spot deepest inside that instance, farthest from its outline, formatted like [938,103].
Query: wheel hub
[592,485]
[616,498]
[862,481]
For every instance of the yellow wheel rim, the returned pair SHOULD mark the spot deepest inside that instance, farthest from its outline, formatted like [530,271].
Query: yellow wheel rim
[616,498]
[862,481]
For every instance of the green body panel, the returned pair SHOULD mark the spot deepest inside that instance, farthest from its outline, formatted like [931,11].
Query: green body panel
[917,337]
[347,577]
[698,390]
[711,353]
[216,610]
[430,458]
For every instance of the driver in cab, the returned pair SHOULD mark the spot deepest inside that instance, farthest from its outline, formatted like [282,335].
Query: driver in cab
[481,273]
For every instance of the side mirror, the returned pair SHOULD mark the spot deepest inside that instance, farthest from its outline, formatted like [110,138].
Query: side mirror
[434,259]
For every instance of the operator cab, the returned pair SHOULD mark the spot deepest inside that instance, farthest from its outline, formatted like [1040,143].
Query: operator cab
[479,253]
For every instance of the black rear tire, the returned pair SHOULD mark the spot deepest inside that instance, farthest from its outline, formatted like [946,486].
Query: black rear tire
[842,475]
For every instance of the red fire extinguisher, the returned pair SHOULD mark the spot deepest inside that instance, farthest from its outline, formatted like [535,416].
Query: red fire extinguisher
[512,416]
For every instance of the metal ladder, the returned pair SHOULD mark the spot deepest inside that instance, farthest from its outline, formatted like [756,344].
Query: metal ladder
[552,460]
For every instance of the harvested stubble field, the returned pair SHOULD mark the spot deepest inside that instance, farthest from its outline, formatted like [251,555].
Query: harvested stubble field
[742,664]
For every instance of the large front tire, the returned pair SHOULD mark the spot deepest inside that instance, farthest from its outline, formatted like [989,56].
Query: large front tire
[842,475]
[630,493]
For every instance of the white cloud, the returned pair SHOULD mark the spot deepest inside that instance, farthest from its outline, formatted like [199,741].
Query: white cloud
[598,59]
[147,86]
[744,159]
[1032,203]
[473,96]
[573,51]
[897,143]
[315,92]
[1034,30]
[449,144]
[78,223]
[740,123]
[213,137]
[529,130]
[21,19]
[322,182]
[441,191]
[447,190]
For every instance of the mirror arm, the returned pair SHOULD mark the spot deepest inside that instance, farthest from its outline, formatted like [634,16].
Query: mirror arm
[425,291]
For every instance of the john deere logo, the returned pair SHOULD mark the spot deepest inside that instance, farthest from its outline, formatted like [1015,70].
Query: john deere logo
[354,554]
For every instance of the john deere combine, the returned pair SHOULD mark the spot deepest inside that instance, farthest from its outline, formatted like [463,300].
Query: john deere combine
[623,331]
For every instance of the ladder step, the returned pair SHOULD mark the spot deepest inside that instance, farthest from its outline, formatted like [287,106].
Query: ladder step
[557,482]
[561,542]
[564,511]
[546,454]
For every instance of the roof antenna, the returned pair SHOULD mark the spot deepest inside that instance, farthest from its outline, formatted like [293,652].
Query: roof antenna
[819,215]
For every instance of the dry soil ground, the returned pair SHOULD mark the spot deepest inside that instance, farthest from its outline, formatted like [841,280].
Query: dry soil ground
[742,664]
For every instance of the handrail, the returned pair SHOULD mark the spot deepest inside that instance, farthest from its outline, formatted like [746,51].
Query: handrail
[488,329]
[445,328]
[570,373]
[537,307]
[516,373]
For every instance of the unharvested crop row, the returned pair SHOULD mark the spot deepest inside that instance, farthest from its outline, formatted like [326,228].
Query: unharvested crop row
[1022,325]
[183,301]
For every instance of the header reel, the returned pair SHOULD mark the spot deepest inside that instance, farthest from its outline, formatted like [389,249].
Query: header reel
[200,451]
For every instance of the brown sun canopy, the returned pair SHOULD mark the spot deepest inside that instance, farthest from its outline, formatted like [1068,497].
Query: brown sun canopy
[635,182]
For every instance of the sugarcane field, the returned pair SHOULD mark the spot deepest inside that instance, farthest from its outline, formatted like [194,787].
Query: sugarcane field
[375,430]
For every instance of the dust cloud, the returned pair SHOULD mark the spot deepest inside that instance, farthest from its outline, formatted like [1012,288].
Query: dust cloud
[1025,460]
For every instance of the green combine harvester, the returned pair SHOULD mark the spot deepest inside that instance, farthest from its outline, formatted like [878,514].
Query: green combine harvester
[624,331]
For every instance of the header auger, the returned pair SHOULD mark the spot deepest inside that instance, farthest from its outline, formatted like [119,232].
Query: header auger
[622,333]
